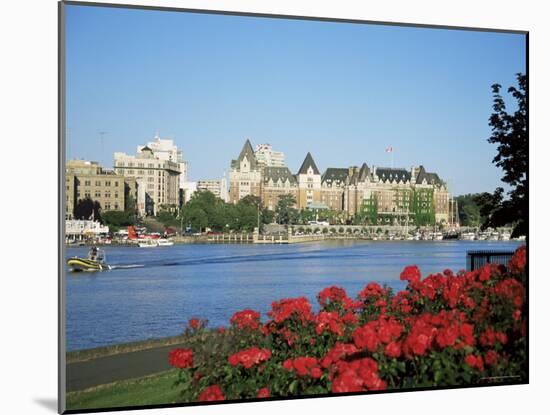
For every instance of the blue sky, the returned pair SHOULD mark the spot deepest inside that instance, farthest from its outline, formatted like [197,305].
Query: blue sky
[342,91]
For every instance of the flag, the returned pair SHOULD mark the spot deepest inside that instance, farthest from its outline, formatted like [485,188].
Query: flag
[389,149]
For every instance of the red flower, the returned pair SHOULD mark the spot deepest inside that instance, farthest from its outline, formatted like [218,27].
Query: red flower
[491,358]
[474,361]
[357,375]
[246,319]
[329,320]
[289,307]
[347,381]
[339,351]
[181,358]
[518,261]
[410,274]
[221,330]
[249,357]
[263,393]
[211,393]
[366,337]
[332,295]
[393,349]
[447,336]
[304,366]
[195,323]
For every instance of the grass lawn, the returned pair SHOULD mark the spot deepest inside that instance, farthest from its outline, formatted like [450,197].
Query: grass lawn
[150,390]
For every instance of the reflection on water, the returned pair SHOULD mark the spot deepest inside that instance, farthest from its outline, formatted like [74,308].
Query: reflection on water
[154,292]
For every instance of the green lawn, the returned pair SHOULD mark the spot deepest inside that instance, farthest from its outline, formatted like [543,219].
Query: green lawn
[151,390]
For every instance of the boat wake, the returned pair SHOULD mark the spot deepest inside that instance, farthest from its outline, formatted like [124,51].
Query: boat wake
[127,266]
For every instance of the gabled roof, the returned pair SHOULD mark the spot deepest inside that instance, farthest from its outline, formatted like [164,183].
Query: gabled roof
[248,152]
[431,178]
[335,175]
[308,162]
[389,174]
[276,173]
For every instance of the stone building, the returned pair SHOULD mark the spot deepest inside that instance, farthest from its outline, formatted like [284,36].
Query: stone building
[245,176]
[87,179]
[160,178]
[378,194]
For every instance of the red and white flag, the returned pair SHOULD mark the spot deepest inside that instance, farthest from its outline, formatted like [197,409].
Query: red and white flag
[389,149]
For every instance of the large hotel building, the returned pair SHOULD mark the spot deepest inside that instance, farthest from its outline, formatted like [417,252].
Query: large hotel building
[388,194]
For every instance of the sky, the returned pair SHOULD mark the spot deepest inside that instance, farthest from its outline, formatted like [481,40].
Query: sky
[344,92]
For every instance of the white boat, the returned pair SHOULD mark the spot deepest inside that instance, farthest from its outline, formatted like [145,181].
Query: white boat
[505,236]
[437,236]
[148,243]
[468,236]
[164,242]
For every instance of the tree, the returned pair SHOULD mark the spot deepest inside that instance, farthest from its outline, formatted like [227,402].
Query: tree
[84,208]
[117,219]
[509,132]
[469,213]
[285,212]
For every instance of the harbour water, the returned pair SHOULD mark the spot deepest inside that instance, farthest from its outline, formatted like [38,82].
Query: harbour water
[154,292]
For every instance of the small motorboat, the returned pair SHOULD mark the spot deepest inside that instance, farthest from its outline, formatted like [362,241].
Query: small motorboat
[148,243]
[94,262]
[164,242]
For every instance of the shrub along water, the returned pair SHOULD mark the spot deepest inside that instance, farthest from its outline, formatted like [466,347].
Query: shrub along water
[447,329]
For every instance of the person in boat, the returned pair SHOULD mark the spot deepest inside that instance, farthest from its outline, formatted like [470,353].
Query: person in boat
[93,253]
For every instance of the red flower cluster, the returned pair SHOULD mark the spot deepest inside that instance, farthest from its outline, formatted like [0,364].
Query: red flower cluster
[211,393]
[489,337]
[246,319]
[474,361]
[196,324]
[356,376]
[377,332]
[304,366]
[518,261]
[469,323]
[329,320]
[410,274]
[263,393]
[181,358]
[335,297]
[291,307]
[249,357]
[338,352]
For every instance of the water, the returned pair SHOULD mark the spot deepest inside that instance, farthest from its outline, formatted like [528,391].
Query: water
[156,291]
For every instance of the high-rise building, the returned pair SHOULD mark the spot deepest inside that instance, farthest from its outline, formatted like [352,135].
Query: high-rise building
[160,178]
[166,150]
[267,157]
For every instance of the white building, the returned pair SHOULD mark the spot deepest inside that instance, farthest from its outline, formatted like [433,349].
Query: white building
[218,187]
[159,178]
[76,229]
[166,150]
[267,157]
[187,191]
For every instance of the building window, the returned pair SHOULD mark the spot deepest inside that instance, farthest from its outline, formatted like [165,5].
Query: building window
[87,183]
[107,183]
[97,193]
[116,184]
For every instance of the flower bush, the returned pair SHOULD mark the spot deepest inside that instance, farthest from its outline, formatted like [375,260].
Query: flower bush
[444,330]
